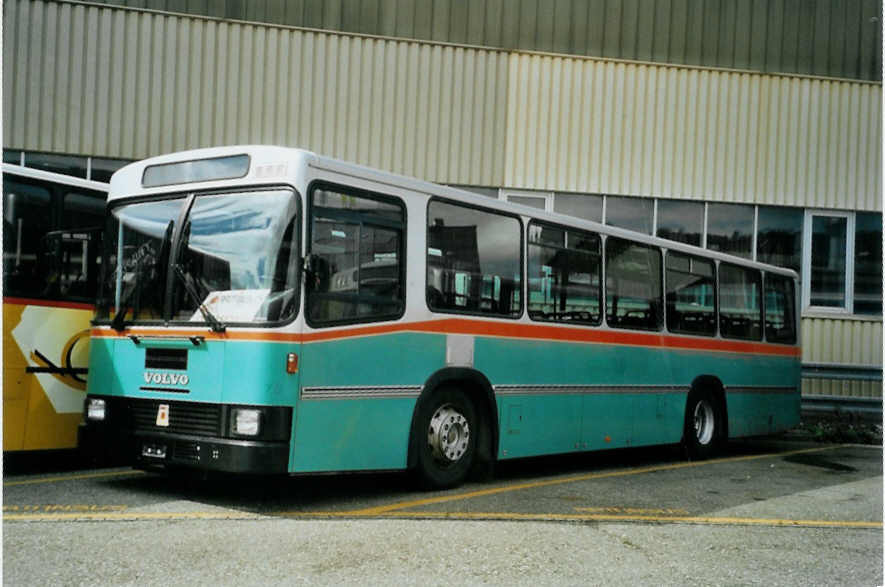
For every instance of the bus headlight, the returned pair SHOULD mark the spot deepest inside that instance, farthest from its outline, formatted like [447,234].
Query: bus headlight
[247,422]
[95,409]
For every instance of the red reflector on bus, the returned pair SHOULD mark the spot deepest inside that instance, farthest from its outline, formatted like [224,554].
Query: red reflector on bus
[291,363]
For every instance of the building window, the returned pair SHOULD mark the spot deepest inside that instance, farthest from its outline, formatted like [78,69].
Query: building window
[868,263]
[487,192]
[730,229]
[635,214]
[101,169]
[585,206]
[826,264]
[532,199]
[681,221]
[12,156]
[65,164]
[779,236]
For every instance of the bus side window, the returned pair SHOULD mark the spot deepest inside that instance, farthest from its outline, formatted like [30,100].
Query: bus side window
[740,307]
[473,261]
[691,284]
[356,246]
[27,217]
[564,275]
[780,301]
[632,285]
[75,252]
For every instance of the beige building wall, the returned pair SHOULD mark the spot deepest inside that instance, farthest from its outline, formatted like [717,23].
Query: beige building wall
[589,125]
[120,83]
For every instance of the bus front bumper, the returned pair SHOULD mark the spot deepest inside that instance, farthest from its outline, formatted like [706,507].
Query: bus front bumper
[109,445]
[202,437]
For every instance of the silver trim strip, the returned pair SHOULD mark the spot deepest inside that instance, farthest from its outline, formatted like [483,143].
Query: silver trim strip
[587,389]
[360,392]
[761,389]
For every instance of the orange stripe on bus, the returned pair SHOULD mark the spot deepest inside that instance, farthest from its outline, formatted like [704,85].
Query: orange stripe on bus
[515,330]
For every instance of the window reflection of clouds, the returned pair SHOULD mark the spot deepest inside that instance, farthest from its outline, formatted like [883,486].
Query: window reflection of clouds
[149,219]
[244,231]
[497,236]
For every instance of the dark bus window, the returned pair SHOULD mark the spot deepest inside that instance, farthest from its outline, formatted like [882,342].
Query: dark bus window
[564,275]
[84,209]
[356,258]
[27,217]
[632,285]
[473,261]
[71,261]
[691,286]
[780,309]
[740,310]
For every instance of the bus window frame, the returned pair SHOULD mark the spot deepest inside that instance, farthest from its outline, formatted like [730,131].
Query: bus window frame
[794,316]
[521,262]
[343,189]
[600,254]
[662,299]
[715,263]
[761,299]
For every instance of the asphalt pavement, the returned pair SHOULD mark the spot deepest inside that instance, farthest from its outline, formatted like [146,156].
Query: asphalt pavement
[769,511]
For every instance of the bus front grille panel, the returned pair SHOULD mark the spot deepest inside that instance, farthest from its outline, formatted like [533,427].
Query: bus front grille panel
[161,358]
[184,417]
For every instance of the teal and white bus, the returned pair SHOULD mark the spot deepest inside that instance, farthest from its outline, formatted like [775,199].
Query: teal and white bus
[269,310]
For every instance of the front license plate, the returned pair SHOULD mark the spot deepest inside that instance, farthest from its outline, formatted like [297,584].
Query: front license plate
[157,451]
[163,415]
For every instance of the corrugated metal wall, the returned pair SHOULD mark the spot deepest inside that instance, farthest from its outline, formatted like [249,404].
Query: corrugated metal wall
[110,82]
[120,83]
[623,128]
[838,38]
[847,342]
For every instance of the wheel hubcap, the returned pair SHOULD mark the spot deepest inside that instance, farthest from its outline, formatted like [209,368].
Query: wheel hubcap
[448,434]
[704,423]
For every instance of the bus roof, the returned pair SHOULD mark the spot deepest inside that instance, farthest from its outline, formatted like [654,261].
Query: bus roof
[272,165]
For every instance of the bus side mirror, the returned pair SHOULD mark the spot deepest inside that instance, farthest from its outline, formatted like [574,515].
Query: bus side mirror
[309,266]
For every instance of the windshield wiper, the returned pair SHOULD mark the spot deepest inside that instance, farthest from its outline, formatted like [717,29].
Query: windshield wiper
[214,323]
[119,321]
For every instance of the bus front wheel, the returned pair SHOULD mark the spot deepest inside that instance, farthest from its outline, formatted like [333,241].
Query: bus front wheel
[702,434]
[448,430]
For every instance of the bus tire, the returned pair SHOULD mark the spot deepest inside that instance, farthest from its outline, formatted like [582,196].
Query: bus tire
[703,430]
[447,431]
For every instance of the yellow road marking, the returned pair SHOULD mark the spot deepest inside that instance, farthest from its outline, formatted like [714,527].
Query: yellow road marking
[72,478]
[614,510]
[133,516]
[462,516]
[575,478]
[514,516]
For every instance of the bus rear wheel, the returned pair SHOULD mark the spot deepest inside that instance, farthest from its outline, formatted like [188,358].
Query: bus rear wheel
[702,434]
[447,429]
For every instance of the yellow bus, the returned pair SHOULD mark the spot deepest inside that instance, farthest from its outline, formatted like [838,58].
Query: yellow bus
[51,257]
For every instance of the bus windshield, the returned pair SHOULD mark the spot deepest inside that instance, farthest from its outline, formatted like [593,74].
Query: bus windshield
[231,260]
